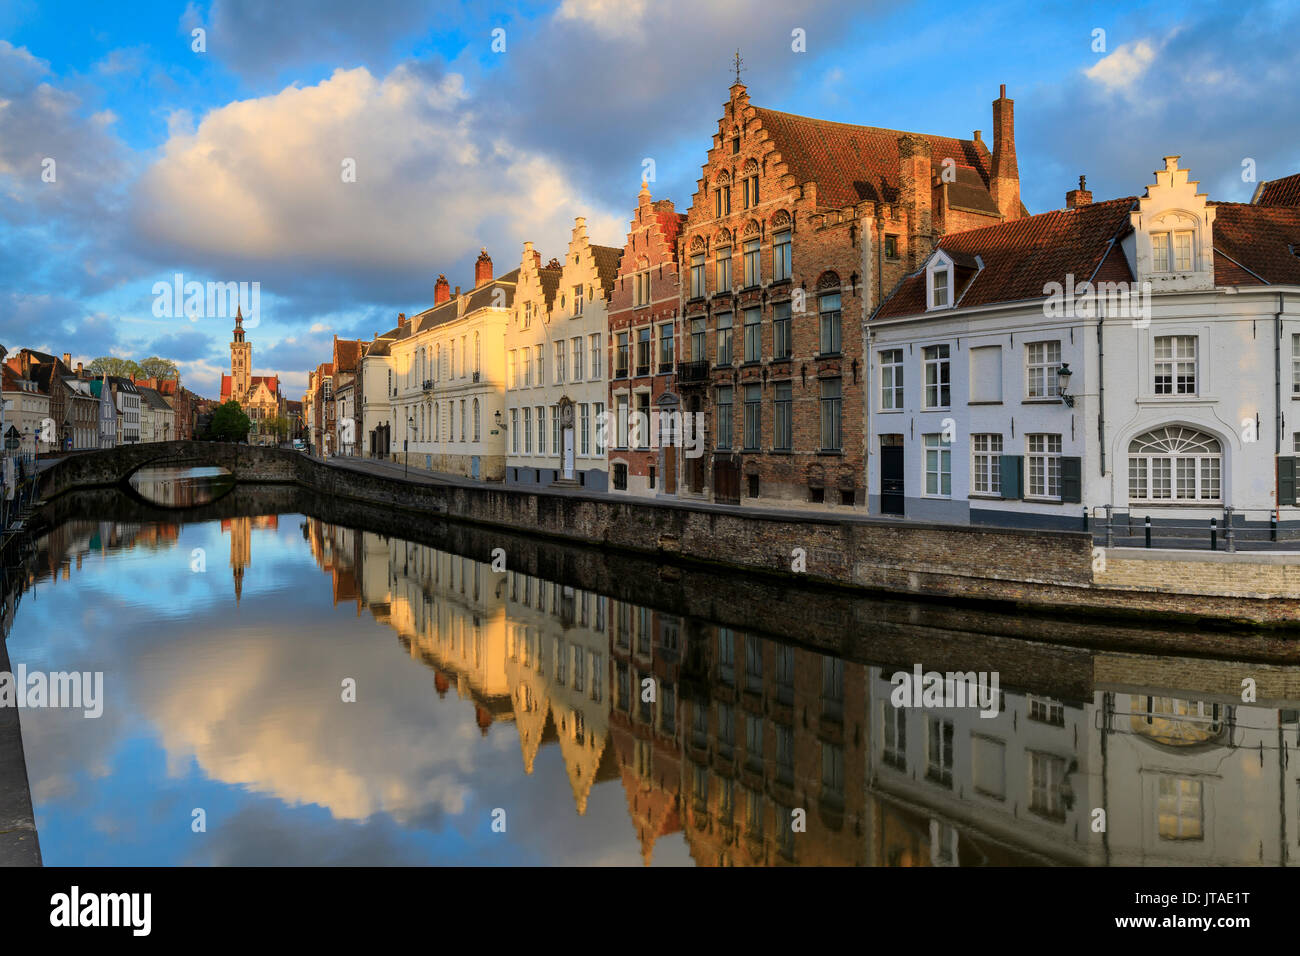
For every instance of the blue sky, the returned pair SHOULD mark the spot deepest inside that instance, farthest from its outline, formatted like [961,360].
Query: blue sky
[224,165]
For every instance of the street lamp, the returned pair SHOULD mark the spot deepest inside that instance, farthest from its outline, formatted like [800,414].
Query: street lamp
[1063,378]
[406,445]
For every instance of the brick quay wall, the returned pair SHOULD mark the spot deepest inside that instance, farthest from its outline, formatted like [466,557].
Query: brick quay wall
[1056,570]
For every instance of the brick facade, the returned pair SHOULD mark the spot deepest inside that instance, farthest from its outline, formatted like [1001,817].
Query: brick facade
[815,223]
[644,302]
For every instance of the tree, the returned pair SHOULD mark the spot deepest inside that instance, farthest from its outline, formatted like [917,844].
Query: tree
[160,368]
[277,426]
[114,366]
[229,423]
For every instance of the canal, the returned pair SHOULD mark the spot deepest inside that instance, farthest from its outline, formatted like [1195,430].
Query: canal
[291,680]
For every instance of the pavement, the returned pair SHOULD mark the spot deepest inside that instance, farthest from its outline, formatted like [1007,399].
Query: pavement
[19,845]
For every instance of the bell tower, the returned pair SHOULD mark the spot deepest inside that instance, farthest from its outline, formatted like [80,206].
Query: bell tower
[241,360]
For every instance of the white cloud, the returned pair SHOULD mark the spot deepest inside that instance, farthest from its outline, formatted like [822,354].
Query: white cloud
[261,180]
[1124,67]
[610,17]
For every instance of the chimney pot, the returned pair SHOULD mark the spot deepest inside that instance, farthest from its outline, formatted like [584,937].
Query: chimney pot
[482,268]
[441,290]
[67,358]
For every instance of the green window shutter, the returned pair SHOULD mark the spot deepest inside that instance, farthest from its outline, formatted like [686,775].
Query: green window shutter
[1072,480]
[1286,481]
[1011,469]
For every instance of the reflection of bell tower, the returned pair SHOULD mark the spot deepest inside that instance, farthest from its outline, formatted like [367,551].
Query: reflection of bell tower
[240,550]
[241,359]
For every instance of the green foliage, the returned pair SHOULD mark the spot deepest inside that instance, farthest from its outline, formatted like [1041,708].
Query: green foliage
[229,423]
[118,367]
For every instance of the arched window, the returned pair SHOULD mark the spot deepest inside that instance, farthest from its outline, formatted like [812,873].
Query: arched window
[476,420]
[1174,464]
[462,419]
[437,420]
[478,359]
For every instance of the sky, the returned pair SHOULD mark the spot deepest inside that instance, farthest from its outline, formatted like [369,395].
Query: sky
[338,156]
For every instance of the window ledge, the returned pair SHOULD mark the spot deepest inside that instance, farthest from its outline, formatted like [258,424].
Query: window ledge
[831,452]
[1041,500]
[1176,399]
[938,408]
[999,402]
[1041,401]
[891,411]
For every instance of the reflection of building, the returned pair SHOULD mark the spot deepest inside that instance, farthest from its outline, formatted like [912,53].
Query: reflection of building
[1181,778]
[241,530]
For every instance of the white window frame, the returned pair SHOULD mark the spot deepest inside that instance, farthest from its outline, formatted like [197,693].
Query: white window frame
[1043,451]
[933,444]
[1042,362]
[986,465]
[941,362]
[891,380]
[1174,364]
[940,265]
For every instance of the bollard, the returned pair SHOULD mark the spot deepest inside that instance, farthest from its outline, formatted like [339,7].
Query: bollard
[1272,526]
[1110,528]
[1085,519]
[1147,525]
[1214,534]
[1232,534]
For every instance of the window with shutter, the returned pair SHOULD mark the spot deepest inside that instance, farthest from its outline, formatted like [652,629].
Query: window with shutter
[1011,471]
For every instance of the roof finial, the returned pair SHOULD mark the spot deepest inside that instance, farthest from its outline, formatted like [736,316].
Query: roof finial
[738,61]
[1083,182]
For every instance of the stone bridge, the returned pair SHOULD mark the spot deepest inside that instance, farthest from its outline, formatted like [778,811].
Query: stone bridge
[114,466]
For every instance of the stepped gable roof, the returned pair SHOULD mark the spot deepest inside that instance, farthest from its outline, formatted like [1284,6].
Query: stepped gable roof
[1021,257]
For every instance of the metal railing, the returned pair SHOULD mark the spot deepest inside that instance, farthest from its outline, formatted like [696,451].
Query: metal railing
[1228,529]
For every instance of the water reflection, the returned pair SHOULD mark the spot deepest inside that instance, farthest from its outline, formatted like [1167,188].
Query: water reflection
[182,487]
[611,731]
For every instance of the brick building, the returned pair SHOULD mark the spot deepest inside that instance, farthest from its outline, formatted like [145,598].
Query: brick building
[797,229]
[643,312]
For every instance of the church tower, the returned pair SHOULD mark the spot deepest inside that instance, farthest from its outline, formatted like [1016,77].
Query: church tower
[241,360]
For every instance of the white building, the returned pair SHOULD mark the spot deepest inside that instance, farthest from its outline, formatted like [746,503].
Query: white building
[26,407]
[556,376]
[449,379]
[1140,353]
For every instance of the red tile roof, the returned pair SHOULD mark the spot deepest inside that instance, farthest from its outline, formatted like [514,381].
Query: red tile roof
[1256,244]
[1279,192]
[227,384]
[1021,256]
[853,163]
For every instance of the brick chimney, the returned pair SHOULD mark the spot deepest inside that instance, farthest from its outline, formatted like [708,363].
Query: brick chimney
[78,370]
[67,359]
[914,174]
[401,320]
[1005,185]
[1079,197]
[482,268]
[441,290]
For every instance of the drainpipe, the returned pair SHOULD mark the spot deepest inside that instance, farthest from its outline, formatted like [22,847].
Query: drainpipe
[1101,397]
[1277,376]
[868,269]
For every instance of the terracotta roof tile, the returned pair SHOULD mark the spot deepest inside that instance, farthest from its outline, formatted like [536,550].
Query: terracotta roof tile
[853,163]
[1020,257]
[1261,239]
[1279,192]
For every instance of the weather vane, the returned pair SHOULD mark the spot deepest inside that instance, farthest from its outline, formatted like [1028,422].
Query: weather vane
[738,61]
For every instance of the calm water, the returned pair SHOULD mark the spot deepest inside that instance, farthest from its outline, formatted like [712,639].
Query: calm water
[228,644]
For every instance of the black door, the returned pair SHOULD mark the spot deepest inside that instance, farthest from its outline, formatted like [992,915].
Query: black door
[891,475]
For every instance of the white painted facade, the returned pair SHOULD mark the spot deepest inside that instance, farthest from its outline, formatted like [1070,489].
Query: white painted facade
[556,375]
[1177,414]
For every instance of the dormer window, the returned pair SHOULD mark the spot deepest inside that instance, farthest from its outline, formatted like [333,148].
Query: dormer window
[939,282]
[939,291]
[1172,251]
